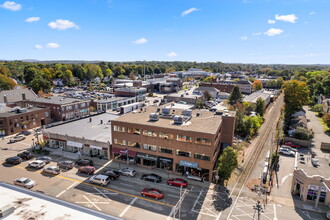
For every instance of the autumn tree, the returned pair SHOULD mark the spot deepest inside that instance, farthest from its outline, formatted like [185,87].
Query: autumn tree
[257,85]
[6,83]
[326,119]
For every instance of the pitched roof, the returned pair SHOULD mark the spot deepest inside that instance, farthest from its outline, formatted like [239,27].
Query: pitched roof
[16,95]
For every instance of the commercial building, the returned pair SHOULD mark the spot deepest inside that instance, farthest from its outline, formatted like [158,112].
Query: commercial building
[62,108]
[265,95]
[89,136]
[175,140]
[184,97]
[244,85]
[14,96]
[16,120]
[228,88]
[112,103]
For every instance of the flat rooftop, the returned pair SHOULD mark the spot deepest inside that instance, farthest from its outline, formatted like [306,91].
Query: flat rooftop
[33,205]
[93,130]
[323,165]
[7,112]
[206,122]
[60,100]
[112,99]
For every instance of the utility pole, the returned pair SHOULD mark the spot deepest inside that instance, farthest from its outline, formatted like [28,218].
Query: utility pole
[258,208]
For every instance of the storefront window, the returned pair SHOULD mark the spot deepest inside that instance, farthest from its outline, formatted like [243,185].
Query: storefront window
[165,150]
[166,135]
[149,133]
[311,194]
[183,138]
[183,153]
[119,128]
[203,141]
[134,131]
[120,142]
[149,147]
[202,157]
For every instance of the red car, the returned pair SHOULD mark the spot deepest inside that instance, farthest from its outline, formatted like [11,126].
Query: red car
[177,182]
[87,169]
[291,144]
[153,193]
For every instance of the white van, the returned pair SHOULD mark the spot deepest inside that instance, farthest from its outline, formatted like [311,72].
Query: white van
[103,180]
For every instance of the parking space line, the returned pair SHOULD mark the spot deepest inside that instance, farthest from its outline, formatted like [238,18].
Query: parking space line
[192,209]
[127,208]
[275,214]
[61,193]
[102,193]
[175,196]
[100,187]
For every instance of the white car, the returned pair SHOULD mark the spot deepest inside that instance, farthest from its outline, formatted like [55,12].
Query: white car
[25,182]
[52,170]
[127,172]
[37,164]
[287,152]
[103,180]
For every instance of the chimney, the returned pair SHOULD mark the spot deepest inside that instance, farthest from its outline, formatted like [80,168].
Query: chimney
[23,97]
[90,119]
[101,121]
[5,99]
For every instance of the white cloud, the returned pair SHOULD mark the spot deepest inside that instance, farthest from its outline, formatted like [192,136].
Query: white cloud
[32,19]
[288,18]
[188,11]
[273,32]
[53,45]
[37,46]
[140,41]
[270,21]
[172,54]
[244,38]
[61,24]
[13,6]
[312,13]
[256,33]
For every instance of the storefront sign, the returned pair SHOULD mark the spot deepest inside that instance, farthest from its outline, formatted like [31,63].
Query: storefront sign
[74,144]
[95,147]
[147,156]
[188,164]
[313,187]
[123,151]
[165,160]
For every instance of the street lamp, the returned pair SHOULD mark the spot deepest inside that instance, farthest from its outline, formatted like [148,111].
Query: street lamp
[257,208]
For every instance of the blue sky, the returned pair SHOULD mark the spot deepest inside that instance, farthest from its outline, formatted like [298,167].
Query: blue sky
[231,31]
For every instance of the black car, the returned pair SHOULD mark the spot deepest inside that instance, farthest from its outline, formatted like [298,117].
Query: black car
[26,133]
[66,164]
[152,178]
[84,162]
[45,159]
[26,155]
[113,174]
[14,160]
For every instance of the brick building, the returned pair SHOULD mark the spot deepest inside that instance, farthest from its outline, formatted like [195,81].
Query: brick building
[175,140]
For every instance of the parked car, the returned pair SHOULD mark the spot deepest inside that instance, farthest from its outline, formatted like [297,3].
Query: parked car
[127,172]
[287,152]
[17,138]
[177,182]
[87,169]
[84,162]
[25,182]
[290,148]
[52,170]
[37,164]
[156,101]
[45,159]
[112,174]
[66,164]
[26,133]
[26,155]
[152,178]
[103,180]
[14,160]
[153,193]
[291,144]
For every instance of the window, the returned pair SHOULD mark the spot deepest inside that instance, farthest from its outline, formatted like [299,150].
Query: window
[183,138]
[27,117]
[166,150]
[183,153]
[119,142]
[149,147]
[76,106]
[166,135]
[82,105]
[47,114]
[202,157]
[203,141]
[69,108]
[119,128]
[134,131]
[133,144]
[149,133]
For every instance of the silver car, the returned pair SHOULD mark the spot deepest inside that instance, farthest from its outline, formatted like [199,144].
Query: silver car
[127,172]
[52,170]
[287,152]
[37,164]
[25,182]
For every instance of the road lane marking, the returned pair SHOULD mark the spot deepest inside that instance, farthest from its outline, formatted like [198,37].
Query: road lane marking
[175,196]
[104,165]
[91,202]
[275,214]
[102,193]
[127,208]
[285,177]
[61,193]
[100,187]
[193,208]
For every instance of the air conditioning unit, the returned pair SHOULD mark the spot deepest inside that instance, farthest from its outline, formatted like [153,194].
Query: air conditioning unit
[178,119]
[187,112]
[153,116]
[166,111]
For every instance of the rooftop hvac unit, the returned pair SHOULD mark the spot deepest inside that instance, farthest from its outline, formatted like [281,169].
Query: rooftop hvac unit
[187,112]
[166,111]
[178,119]
[154,116]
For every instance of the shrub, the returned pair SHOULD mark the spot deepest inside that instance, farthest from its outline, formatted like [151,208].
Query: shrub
[303,133]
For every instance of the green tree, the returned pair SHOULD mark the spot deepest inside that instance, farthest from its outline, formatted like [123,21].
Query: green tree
[119,71]
[235,95]
[227,163]
[121,76]
[67,76]
[107,72]
[279,82]
[40,84]
[6,83]
[30,73]
[260,106]
[303,133]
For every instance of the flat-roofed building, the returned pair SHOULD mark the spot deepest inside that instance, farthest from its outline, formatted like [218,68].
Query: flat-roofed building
[177,140]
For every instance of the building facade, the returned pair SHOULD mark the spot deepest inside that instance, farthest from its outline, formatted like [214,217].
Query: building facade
[175,140]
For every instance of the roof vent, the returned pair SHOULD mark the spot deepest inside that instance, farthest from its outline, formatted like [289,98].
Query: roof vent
[158,109]
[153,116]
[178,119]
[198,114]
[166,111]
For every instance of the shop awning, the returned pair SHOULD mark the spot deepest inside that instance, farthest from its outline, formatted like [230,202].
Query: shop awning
[188,164]
[74,144]
[123,151]
[95,147]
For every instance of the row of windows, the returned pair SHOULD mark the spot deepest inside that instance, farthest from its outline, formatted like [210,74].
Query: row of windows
[163,135]
[161,149]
